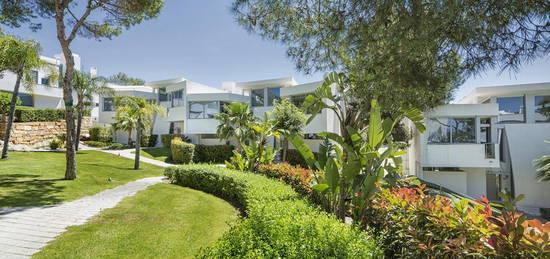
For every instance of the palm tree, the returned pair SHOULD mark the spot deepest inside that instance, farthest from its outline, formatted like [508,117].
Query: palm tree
[543,167]
[139,113]
[236,123]
[86,87]
[20,57]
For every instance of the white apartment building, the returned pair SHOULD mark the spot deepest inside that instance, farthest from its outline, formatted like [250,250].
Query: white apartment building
[191,107]
[486,143]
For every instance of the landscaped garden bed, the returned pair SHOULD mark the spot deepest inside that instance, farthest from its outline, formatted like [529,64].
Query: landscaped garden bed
[278,222]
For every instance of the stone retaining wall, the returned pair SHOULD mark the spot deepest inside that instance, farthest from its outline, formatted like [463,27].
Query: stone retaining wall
[39,133]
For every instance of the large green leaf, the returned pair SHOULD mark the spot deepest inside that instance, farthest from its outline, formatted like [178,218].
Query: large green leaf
[306,153]
[332,174]
[351,168]
[375,132]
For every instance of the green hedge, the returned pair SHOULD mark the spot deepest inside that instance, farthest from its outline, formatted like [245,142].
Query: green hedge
[182,152]
[101,134]
[29,114]
[166,139]
[149,140]
[294,157]
[93,143]
[279,224]
[212,154]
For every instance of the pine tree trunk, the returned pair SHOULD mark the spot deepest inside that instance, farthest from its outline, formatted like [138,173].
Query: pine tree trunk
[11,116]
[70,155]
[78,125]
[138,146]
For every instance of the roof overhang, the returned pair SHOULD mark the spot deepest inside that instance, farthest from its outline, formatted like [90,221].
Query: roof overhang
[276,82]
[165,83]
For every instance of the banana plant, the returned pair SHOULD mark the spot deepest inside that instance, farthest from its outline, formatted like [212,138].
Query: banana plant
[354,164]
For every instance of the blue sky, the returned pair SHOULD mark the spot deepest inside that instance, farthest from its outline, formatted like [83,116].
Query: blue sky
[200,40]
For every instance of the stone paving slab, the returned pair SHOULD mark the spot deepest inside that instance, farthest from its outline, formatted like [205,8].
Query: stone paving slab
[25,230]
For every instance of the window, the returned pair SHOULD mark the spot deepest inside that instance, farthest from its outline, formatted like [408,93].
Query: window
[511,109]
[485,130]
[451,130]
[45,81]
[542,108]
[35,76]
[108,104]
[163,97]
[257,97]
[177,94]
[272,95]
[26,100]
[203,110]
[176,127]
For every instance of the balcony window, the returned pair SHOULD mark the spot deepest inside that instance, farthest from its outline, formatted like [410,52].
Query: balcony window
[163,97]
[45,81]
[542,108]
[257,97]
[511,109]
[203,110]
[451,130]
[108,104]
[272,95]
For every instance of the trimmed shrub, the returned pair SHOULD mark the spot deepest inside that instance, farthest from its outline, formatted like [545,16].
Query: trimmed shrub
[212,154]
[182,152]
[279,224]
[166,139]
[92,143]
[56,144]
[152,140]
[299,178]
[294,157]
[32,114]
[101,134]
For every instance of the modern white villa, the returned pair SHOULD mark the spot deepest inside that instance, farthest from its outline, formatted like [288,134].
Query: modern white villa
[483,144]
[486,143]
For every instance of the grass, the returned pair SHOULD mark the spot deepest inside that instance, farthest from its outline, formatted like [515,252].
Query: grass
[36,178]
[159,153]
[163,221]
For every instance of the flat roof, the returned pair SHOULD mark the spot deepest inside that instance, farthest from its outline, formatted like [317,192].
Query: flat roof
[482,93]
[281,82]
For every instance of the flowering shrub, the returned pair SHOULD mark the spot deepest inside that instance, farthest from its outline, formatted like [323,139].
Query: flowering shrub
[296,176]
[415,224]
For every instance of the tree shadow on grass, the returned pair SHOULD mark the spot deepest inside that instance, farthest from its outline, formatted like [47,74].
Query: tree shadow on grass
[30,192]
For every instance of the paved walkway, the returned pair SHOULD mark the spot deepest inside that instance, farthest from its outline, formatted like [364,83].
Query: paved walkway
[127,153]
[25,230]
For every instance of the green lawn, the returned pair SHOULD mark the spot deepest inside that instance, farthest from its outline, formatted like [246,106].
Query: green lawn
[36,178]
[163,221]
[158,153]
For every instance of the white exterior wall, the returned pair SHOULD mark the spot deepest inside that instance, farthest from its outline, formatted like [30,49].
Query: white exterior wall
[456,181]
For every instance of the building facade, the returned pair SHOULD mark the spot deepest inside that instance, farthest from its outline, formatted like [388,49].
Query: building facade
[486,143]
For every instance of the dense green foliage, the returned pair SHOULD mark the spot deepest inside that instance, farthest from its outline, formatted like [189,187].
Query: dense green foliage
[166,139]
[294,157]
[5,100]
[149,140]
[402,52]
[26,114]
[299,178]
[414,224]
[236,124]
[101,134]
[279,224]
[289,120]
[163,221]
[543,167]
[182,152]
[212,154]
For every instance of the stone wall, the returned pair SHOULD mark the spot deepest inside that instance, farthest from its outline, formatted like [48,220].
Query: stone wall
[39,133]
